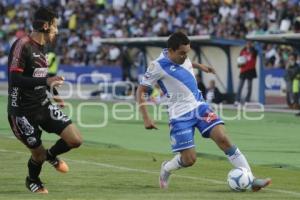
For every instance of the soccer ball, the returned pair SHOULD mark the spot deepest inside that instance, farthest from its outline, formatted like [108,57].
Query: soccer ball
[240,179]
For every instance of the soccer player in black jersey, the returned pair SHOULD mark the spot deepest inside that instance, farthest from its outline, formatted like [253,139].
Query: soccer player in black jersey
[29,109]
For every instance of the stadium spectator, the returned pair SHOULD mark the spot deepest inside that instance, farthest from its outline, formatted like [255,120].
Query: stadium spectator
[127,62]
[247,71]
[271,56]
[292,78]
[88,19]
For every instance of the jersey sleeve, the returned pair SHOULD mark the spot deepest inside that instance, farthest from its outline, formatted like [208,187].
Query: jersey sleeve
[152,75]
[19,54]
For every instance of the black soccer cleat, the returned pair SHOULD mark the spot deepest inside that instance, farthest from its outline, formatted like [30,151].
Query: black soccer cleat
[35,186]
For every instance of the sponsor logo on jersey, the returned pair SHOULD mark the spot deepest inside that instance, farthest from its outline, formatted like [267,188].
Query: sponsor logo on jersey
[184,132]
[39,87]
[14,96]
[173,68]
[36,55]
[40,72]
[210,117]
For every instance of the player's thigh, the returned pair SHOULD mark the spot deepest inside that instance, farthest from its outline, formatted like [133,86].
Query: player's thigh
[54,120]
[207,120]
[219,136]
[26,129]
[182,139]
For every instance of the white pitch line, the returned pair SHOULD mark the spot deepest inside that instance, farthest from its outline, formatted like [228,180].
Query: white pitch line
[105,165]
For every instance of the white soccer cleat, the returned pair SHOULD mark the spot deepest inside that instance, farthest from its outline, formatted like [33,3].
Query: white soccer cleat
[164,176]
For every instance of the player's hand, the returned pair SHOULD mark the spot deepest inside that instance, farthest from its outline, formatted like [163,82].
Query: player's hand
[149,124]
[205,68]
[55,81]
[210,70]
[60,102]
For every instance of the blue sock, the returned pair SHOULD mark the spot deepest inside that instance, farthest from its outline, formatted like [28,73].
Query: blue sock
[231,150]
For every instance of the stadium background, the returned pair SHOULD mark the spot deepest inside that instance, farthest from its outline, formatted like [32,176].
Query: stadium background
[84,23]
[121,160]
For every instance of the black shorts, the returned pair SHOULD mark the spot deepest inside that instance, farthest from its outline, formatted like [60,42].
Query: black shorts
[27,128]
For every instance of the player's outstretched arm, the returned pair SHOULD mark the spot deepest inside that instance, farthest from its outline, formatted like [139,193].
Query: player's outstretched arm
[148,122]
[19,80]
[207,69]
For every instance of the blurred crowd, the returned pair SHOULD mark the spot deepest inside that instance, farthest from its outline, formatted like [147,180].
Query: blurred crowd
[84,22]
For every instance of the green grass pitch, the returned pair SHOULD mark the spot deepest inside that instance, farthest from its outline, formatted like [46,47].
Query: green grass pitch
[122,160]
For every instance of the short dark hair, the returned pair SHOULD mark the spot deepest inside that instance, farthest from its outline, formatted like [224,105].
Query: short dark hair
[41,16]
[176,40]
[293,54]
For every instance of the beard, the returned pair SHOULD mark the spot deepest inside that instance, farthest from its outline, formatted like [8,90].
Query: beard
[52,41]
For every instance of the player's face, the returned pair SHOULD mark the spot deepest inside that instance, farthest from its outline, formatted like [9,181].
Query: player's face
[179,55]
[53,31]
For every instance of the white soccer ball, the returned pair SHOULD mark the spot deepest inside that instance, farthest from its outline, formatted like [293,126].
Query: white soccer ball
[241,60]
[240,179]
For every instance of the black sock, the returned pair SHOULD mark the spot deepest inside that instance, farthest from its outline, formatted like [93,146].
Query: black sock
[60,147]
[34,169]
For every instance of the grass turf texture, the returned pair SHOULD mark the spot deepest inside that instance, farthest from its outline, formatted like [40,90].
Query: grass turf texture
[122,161]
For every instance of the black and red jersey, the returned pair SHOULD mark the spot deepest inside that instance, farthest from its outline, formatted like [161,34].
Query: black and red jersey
[250,55]
[27,76]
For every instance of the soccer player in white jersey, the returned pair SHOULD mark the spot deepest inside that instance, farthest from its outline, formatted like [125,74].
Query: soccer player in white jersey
[173,72]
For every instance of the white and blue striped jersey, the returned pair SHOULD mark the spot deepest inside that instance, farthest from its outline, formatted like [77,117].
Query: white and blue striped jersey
[177,82]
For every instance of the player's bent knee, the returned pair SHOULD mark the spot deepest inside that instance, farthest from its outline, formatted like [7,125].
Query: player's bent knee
[189,160]
[75,143]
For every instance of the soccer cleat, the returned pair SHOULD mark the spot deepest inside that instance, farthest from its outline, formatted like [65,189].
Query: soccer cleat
[164,177]
[258,184]
[59,165]
[35,186]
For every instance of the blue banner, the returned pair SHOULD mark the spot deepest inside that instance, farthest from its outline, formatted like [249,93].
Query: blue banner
[83,74]
[274,79]
[3,73]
